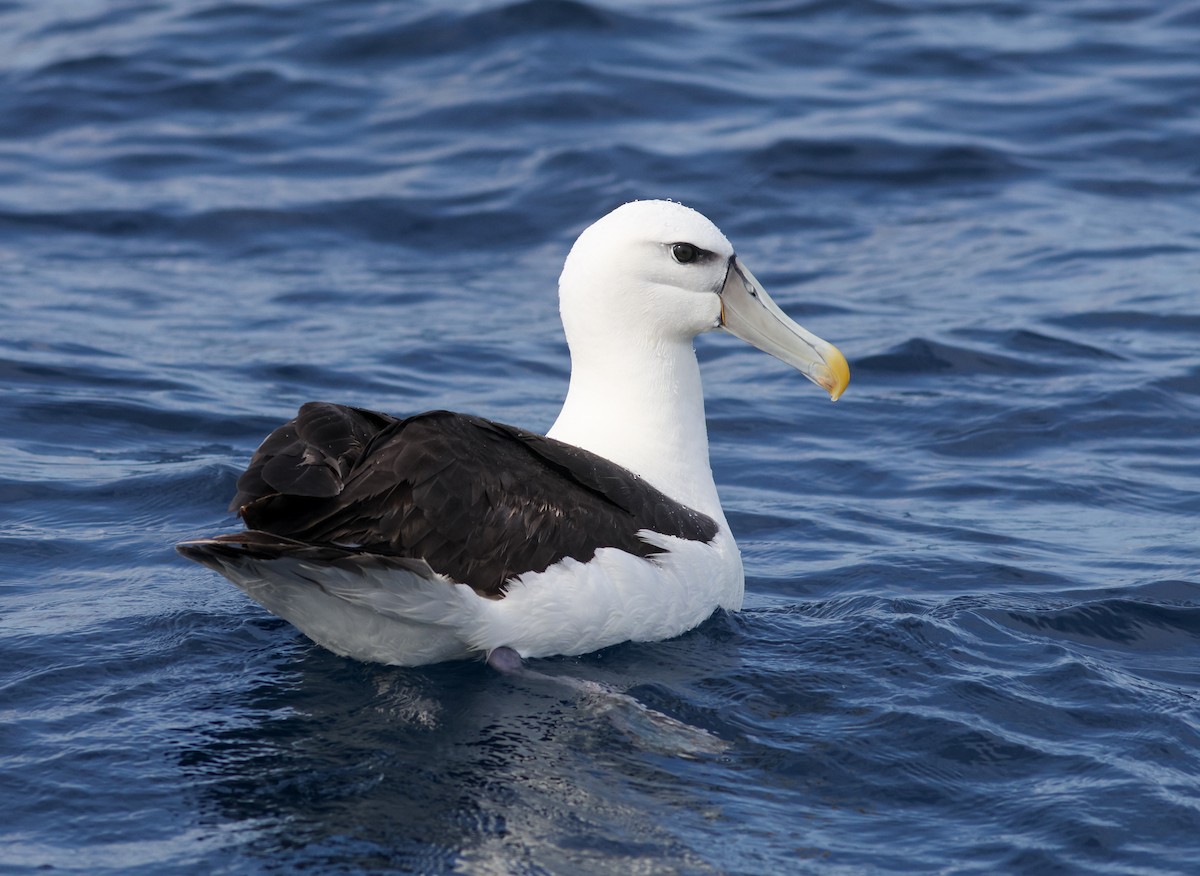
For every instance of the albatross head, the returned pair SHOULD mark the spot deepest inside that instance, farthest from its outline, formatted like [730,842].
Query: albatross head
[657,272]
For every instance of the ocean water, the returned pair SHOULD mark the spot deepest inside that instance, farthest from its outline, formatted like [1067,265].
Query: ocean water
[971,640]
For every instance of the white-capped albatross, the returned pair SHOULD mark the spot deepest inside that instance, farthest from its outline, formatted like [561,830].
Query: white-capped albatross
[442,536]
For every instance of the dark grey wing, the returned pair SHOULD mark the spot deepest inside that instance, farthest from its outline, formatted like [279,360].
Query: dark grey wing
[478,501]
[651,508]
[310,455]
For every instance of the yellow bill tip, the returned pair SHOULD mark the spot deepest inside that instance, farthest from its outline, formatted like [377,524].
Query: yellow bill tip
[837,373]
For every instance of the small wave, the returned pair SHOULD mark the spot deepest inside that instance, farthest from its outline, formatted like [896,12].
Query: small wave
[1122,622]
[443,34]
[923,356]
[894,162]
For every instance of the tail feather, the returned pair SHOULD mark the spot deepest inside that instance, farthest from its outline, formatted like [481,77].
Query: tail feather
[219,551]
[368,606]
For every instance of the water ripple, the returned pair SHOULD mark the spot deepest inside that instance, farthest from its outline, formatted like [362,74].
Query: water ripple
[972,605]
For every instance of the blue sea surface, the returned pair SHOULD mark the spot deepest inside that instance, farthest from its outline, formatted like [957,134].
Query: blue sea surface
[971,639]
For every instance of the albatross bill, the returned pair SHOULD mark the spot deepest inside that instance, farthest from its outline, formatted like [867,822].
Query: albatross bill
[747,312]
[442,536]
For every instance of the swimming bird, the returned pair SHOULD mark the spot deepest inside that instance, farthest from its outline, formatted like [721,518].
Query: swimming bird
[443,536]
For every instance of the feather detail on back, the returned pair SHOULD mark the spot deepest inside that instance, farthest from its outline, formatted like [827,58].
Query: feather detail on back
[479,502]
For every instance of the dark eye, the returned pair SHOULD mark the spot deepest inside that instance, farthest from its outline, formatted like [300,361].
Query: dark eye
[684,253]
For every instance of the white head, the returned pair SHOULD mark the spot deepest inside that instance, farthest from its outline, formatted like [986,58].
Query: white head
[625,271]
[657,273]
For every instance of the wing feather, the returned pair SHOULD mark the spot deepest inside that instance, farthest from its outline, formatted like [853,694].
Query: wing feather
[480,502]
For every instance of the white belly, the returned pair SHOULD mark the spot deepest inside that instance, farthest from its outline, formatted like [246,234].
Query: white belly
[395,616]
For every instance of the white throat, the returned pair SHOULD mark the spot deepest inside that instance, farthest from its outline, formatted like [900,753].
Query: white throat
[640,405]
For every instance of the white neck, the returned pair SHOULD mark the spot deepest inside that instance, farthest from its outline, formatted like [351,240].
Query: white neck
[643,409]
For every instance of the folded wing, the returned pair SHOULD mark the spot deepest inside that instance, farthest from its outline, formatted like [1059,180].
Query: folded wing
[479,502]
